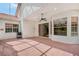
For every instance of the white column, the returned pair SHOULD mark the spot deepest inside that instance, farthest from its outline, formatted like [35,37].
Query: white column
[68,26]
[21,18]
[22,26]
[49,29]
[52,27]
[78,28]
[37,29]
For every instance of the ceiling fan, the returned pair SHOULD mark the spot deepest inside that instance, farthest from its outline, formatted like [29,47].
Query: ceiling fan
[42,17]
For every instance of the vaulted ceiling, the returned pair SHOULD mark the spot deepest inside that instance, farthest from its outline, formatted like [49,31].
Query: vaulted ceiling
[34,10]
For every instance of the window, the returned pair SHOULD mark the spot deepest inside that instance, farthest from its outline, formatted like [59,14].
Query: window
[74,26]
[8,27]
[11,27]
[60,26]
[15,28]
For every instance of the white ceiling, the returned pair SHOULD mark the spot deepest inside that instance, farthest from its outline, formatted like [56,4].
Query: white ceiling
[48,8]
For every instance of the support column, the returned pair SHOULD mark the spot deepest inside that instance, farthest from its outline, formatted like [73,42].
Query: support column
[68,26]
[21,18]
[78,29]
[52,27]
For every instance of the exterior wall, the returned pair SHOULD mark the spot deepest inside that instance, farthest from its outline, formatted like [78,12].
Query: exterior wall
[28,29]
[4,35]
[66,39]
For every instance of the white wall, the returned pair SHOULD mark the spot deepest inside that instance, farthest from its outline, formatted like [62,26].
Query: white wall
[4,35]
[28,29]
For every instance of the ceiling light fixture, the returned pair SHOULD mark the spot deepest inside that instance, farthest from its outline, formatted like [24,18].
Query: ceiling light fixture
[42,17]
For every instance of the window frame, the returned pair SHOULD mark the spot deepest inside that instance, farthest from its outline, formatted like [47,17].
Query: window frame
[74,26]
[60,28]
[9,26]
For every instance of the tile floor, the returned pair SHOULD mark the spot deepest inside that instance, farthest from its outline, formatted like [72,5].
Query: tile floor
[28,47]
[71,48]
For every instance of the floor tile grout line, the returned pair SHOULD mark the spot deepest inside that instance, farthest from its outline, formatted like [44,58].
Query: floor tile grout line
[15,44]
[38,49]
[29,43]
[46,51]
[21,43]
[34,47]
[25,43]
[30,47]
[27,48]
[62,49]
[41,51]
[18,43]
[53,46]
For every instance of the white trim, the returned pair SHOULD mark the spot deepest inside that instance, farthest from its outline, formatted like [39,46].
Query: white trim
[78,28]
[43,23]
[69,26]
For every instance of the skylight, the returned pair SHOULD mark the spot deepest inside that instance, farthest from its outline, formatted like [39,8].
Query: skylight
[8,8]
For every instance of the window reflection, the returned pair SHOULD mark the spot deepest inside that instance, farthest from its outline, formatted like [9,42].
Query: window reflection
[60,26]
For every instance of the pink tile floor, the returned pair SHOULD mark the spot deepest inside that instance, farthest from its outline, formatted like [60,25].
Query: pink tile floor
[28,47]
